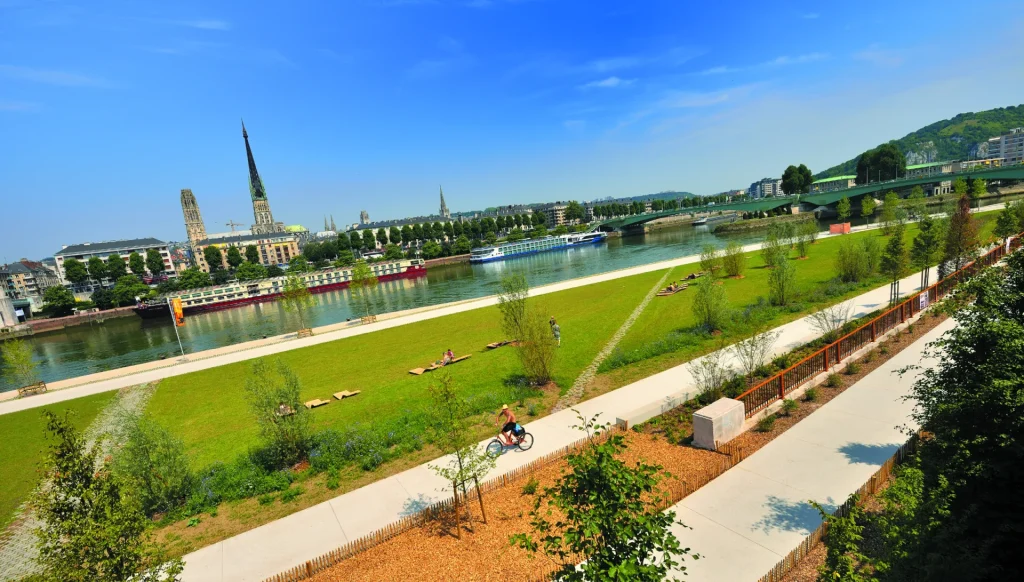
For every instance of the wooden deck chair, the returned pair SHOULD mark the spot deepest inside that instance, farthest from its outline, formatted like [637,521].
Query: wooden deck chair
[346,394]
[316,402]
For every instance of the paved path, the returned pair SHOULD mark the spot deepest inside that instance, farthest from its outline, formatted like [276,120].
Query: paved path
[751,517]
[290,541]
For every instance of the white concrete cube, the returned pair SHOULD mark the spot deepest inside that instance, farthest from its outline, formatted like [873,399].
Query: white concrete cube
[717,423]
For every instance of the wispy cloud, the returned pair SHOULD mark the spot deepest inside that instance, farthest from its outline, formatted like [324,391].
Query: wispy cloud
[797,60]
[22,106]
[50,77]
[879,56]
[720,70]
[810,15]
[205,24]
[185,47]
[609,83]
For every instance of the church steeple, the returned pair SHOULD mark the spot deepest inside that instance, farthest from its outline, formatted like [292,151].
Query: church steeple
[333,228]
[444,207]
[260,205]
[194,227]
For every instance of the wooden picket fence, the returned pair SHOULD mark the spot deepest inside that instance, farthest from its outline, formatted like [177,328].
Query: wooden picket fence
[778,386]
[431,512]
[872,486]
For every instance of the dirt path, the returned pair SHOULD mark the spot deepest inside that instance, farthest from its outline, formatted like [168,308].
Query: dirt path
[574,393]
[18,542]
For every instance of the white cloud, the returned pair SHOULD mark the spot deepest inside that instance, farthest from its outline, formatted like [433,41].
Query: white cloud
[49,77]
[608,83]
[719,70]
[797,60]
[205,24]
[18,106]
[810,15]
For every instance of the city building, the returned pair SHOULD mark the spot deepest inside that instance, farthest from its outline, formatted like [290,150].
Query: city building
[444,207]
[555,212]
[513,210]
[986,163]
[26,279]
[260,204]
[766,188]
[833,183]
[275,248]
[85,251]
[194,227]
[7,316]
[929,169]
[1009,146]
[364,217]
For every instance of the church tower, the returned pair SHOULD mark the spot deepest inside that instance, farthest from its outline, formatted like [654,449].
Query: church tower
[260,205]
[194,227]
[444,207]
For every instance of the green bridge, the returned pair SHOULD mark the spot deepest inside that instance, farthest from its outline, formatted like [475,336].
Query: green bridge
[811,202]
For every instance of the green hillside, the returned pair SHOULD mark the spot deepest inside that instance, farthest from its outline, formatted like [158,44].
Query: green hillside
[949,139]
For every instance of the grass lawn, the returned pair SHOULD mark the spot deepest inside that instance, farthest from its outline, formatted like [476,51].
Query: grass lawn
[208,410]
[23,444]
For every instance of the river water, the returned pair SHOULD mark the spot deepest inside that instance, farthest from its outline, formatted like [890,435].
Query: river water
[125,341]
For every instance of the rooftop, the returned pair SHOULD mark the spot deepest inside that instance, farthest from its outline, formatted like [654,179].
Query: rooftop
[834,179]
[110,245]
[245,238]
[928,165]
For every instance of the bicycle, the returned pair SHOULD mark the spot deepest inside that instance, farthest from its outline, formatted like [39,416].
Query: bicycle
[520,438]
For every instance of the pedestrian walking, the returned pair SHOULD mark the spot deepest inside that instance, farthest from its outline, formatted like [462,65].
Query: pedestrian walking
[556,331]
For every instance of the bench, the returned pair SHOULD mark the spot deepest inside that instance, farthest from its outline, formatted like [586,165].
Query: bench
[305,332]
[37,388]
[368,319]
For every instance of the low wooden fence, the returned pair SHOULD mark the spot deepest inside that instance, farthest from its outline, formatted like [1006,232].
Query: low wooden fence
[778,386]
[872,486]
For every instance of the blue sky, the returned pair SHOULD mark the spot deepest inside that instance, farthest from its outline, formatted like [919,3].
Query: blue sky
[109,108]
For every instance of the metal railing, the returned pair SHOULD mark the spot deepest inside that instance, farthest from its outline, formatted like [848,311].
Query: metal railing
[775,388]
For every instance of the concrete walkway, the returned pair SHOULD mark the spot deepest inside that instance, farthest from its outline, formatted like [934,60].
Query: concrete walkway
[290,541]
[751,517]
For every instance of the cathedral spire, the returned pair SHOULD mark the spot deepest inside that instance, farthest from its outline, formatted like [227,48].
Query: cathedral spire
[260,205]
[333,228]
[444,207]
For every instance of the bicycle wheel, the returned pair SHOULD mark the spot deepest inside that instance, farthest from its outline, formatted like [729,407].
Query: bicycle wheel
[525,441]
[494,448]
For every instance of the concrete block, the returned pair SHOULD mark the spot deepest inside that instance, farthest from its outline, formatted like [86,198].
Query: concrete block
[717,423]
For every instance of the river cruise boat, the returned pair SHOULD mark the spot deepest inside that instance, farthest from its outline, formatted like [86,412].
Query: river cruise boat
[238,293]
[540,245]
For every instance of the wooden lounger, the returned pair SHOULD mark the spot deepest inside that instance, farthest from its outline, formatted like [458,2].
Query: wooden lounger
[667,293]
[317,402]
[346,394]
[499,344]
[435,366]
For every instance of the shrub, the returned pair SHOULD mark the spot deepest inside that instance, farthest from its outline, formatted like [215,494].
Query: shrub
[241,479]
[153,463]
[710,258]
[852,368]
[789,406]
[267,499]
[537,349]
[532,409]
[291,494]
[531,487]
[781,361]
[782,283]
[766,424]
[851,261]
[333,480]
[811,394]
[734,261]
[710,307]
[833,380]
[286,436]
[870,356]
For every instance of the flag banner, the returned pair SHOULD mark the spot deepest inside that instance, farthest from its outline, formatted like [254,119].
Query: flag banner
[179,316]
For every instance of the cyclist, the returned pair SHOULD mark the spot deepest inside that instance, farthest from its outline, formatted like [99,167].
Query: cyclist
[510,424]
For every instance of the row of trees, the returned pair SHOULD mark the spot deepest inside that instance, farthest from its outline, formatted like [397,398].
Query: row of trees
[477,228]
[636,207]
[114,267]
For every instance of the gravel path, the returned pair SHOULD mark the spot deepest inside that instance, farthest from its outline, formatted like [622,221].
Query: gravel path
[18,542]
[573,395]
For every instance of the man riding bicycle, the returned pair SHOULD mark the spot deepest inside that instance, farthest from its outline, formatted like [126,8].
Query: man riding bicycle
[510,424]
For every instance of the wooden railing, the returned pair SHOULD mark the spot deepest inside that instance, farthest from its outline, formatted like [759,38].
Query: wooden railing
[775,388]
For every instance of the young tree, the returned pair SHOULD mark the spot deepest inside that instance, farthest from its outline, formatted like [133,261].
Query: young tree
[867,207]
[252,254]
[395,235]
[363,283]
[962,235]
[116,267]
[754,351]
[842,553]
[250,271]
[894,262]
[355,240]
[829,320]
[214,257]
[806,233]
[369,242]
[75,271]
[893,213]
[382,236]
[234,257]
[710,306]
[914,204]
[537,348]
[960,186]
[297,298]
[978,189]
[153,463]
[275,399]
[710,259]
[154,262]
[137,264]
[773,250]
[193,278]
[97,269]
[843,209]
[58,301]
[734,261]
[18,363]
[611,517]
[1006,224]
[452,431]
[512,294]
[926,248]
[92,529]
[782,283]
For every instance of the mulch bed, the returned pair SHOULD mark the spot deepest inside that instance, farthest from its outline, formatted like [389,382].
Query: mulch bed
[433,552]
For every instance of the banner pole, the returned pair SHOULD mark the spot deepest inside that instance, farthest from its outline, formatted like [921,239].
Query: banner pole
[174,321]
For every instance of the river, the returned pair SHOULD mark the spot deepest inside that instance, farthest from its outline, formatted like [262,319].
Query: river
[125,341]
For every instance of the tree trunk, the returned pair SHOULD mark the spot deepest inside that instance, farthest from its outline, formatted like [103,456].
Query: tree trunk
[458,516]
[480,496]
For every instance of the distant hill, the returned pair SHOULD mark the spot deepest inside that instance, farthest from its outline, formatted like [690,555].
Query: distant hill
[958,138]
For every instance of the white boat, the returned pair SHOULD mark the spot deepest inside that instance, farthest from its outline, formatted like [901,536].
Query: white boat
[532,246]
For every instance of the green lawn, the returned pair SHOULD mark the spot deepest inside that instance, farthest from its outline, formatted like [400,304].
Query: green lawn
[208,410]
[23,444]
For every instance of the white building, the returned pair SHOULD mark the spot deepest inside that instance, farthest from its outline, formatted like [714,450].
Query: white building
[766,188]
[85,251]
[1009,146]
[833,183]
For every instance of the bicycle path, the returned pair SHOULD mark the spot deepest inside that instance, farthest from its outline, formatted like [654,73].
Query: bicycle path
[292,540]
[751,517]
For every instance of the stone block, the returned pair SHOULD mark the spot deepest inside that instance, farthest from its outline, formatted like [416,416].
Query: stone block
[717,423]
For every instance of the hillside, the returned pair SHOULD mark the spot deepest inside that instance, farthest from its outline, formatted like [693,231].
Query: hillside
[951,139]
